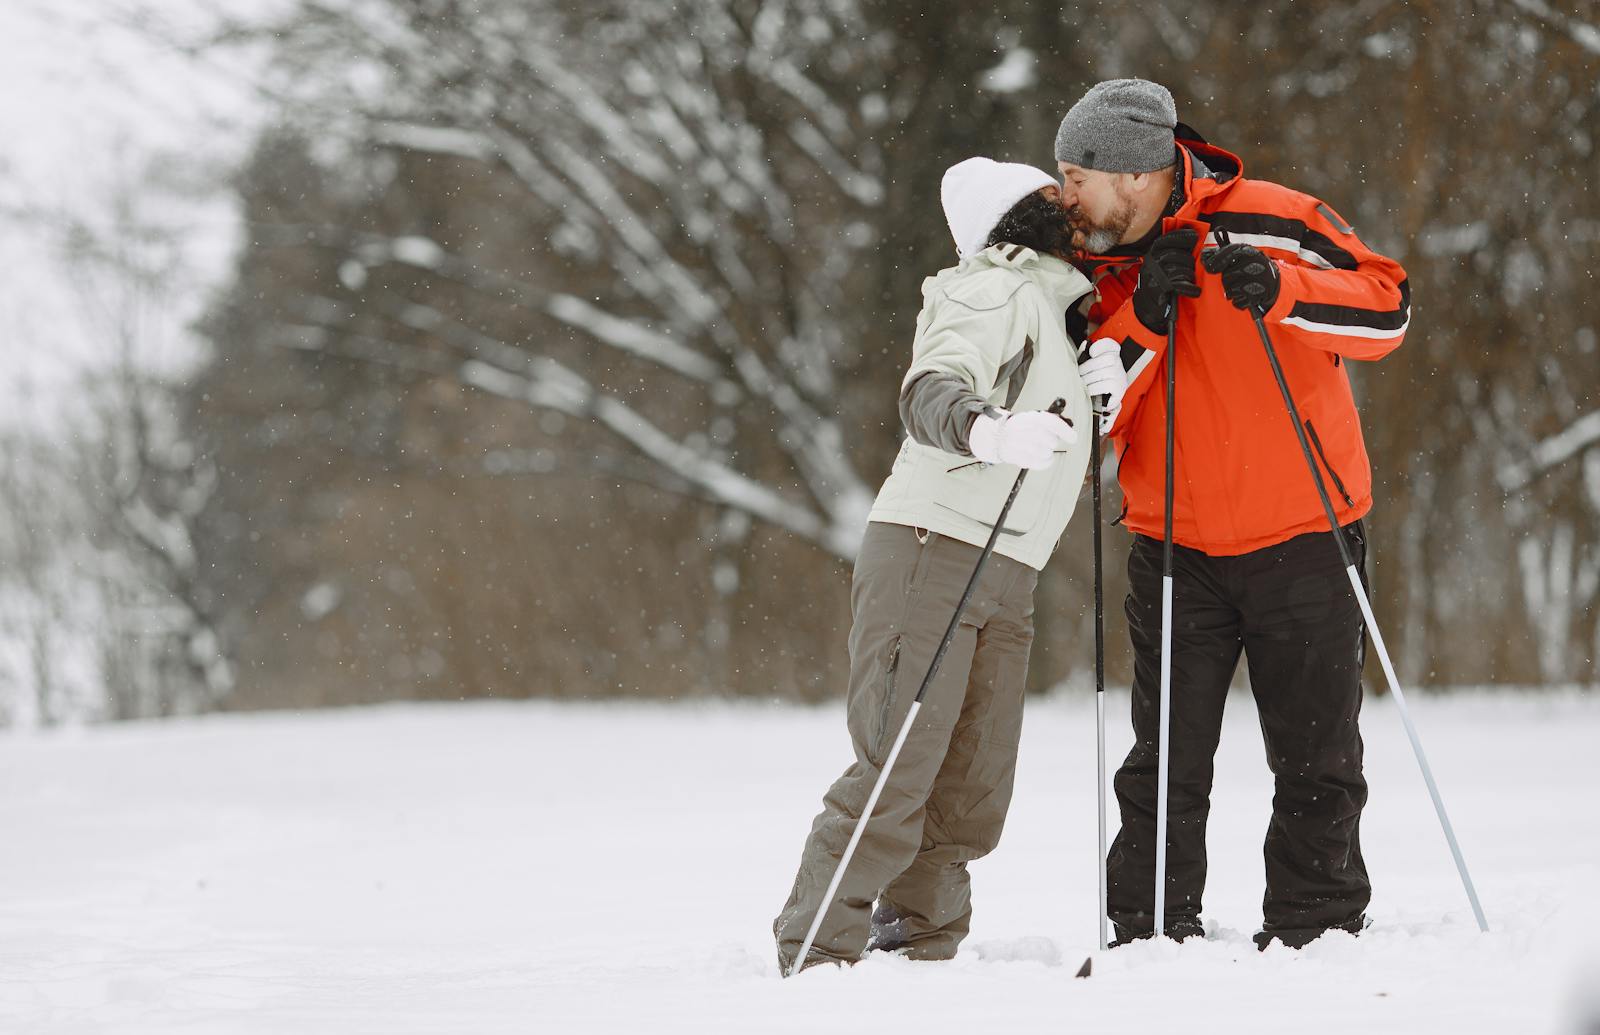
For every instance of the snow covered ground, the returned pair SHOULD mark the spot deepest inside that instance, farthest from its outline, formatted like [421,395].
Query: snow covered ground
[562,868]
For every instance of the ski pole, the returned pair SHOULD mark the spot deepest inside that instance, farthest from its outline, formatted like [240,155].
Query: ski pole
[1099,672]
[1164,736]
[905,727]
[1366,613]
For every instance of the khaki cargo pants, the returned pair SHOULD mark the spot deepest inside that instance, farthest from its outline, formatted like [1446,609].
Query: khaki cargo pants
[947,795]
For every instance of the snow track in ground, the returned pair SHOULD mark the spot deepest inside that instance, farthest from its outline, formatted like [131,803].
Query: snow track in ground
[565,868]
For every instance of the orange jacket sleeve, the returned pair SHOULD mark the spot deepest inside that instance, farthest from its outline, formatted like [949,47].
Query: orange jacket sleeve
[1337,294]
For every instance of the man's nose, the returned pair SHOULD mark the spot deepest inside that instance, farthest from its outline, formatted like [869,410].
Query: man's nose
[1069,194]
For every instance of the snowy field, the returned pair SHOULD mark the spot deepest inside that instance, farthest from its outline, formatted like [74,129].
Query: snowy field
[614,868]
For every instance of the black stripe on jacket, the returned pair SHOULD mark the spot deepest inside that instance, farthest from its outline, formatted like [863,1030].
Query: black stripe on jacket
[1281,226]
[1353,316]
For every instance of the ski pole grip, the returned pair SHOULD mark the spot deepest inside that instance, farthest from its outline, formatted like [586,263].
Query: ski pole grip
[1083,354]
[1258,312]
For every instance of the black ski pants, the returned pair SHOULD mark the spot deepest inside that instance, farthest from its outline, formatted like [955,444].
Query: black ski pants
[1291,610]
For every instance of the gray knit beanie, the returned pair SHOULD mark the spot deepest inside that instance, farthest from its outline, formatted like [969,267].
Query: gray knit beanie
[1120,126]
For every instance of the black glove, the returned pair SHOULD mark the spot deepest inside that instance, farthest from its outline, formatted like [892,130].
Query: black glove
[1249,278]
[1167,272]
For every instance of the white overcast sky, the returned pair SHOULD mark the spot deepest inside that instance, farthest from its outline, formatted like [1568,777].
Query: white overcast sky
[90,97]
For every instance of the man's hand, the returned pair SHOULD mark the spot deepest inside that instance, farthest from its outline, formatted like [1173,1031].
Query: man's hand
[1026,439]
[1249,278]
[1167,272]
[1103,376]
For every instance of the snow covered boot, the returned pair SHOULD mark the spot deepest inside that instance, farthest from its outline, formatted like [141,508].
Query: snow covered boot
[1180,931]
[1300,937]
[887,930]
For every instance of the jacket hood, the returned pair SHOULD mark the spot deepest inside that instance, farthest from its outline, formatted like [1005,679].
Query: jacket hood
[1208,169]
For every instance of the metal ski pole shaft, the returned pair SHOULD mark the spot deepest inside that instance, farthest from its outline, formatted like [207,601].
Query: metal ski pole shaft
[1099,675]
[1165,727]
[1372,623]
[911,716]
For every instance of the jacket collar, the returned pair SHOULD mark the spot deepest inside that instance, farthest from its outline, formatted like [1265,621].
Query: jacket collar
[1062,280]
[1058,277]
[1208,171]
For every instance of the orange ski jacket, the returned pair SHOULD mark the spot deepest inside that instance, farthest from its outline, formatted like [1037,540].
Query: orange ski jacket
[1241,481]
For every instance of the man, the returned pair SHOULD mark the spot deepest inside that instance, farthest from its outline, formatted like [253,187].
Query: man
[992,351]
[1255,567]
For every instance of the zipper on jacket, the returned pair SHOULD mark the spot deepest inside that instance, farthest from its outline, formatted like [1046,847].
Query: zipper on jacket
[1338,482]
[888,697]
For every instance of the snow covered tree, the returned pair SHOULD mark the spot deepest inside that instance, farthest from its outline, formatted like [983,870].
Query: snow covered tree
[698,185]
[661,233]
[580,325]
[106,606]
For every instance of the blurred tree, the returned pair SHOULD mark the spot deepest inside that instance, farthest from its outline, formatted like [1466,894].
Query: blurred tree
[564,353]
[100,585]
[1448,134]
[35,585]
[137,485]
[664,224]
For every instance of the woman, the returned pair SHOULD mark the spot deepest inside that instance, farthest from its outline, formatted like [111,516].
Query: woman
[992,351]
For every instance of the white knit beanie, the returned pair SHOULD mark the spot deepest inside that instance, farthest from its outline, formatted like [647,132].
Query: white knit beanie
[978,191]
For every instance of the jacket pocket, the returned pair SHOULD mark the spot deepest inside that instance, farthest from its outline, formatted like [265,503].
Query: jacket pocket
[891,675]
[1338,482]
[977,492]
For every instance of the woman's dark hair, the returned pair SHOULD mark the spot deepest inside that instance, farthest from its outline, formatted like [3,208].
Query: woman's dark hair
[1035,222]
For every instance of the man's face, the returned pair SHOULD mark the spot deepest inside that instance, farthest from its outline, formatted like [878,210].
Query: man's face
[1100,206]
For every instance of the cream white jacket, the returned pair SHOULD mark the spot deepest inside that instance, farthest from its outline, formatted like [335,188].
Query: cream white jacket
[997,322]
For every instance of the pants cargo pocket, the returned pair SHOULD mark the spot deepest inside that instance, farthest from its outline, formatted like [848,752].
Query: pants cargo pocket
[881,741]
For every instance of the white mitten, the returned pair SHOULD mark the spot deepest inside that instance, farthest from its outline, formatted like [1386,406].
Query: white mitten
[1027,439]
[1102,375]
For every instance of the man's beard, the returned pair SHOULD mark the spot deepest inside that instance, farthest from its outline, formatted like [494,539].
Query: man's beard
[1099,238]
